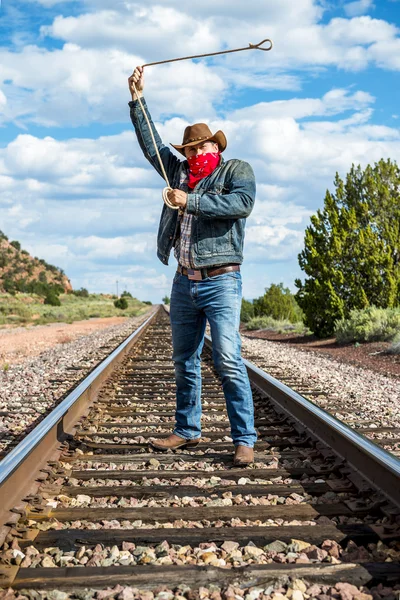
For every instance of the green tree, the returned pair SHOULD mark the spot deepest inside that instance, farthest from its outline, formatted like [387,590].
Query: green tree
[279,303]
[351,254]
[247,311]
[166,300]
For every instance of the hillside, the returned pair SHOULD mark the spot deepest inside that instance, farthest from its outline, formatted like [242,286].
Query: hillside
[21,272]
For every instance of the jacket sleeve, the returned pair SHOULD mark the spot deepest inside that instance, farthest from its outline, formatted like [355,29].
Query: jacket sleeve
[234,201]
[170,161]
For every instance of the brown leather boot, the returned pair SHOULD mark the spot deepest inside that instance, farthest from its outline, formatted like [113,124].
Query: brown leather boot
[172,442]
[243,456]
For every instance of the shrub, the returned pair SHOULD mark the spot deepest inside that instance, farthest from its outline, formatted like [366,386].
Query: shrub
[371,324]
[20,284]
[126,293]
[272,324]
[16,245]
[147,302]
[278,302]
[52,298]
[81,293]
[9,286]
[3,260]
[121,303]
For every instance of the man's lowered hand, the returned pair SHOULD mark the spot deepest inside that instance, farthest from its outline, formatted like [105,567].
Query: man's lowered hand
[178,198]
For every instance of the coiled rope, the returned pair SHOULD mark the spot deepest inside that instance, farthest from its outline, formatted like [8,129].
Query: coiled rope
[168,188]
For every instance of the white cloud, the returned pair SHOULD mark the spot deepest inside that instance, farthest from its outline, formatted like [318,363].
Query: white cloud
[71,167]
[85,81]
[387,54]
[95,248]
[361,30]
[272,243]
[359,7]
[241,79]
[149,29]
[74,86]
[161,32]
[334,102]
[263,12]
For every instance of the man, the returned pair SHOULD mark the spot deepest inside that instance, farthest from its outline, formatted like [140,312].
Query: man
[207,234]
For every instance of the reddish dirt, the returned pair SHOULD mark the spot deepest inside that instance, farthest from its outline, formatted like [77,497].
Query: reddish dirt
[17,344]
[368,355]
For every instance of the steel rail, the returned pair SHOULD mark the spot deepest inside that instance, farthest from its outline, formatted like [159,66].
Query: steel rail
[55,426]
[377,466]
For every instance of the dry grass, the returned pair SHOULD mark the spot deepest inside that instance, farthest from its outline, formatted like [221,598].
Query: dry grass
[24,309]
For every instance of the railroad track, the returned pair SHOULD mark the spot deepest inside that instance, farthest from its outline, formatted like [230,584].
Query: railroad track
[27,395]
[86,505]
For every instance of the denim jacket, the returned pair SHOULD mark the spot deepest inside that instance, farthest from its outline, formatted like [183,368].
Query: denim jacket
[220,202]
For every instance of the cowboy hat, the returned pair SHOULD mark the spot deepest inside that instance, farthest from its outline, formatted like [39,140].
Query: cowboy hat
[200,132]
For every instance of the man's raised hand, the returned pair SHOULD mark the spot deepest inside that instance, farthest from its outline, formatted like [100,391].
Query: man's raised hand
[137,78]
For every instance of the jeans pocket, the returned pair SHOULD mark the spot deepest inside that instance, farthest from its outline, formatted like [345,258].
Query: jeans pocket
[225,276]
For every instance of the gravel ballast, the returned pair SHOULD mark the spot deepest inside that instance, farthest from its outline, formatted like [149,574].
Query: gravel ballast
[367,394]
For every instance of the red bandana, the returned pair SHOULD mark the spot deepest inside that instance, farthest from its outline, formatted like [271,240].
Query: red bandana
[202,165]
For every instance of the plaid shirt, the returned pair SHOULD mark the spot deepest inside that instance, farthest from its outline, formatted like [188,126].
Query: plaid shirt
[183,243]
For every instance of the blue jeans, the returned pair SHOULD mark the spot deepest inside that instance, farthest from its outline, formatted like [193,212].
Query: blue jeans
[218,300]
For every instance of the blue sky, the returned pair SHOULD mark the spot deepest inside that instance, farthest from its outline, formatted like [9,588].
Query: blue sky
[74,187]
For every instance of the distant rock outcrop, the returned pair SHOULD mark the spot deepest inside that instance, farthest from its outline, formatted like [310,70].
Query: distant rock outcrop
[21,272]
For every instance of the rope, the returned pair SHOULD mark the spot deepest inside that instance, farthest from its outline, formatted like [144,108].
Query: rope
[249,47]
[167,189]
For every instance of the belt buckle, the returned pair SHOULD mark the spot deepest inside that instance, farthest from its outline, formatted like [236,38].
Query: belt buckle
[194,275]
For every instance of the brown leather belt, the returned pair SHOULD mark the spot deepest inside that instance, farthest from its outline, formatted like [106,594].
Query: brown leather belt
[199,274]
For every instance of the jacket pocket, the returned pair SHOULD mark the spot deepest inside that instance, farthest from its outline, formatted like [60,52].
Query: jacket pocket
[223,235]
[214,237]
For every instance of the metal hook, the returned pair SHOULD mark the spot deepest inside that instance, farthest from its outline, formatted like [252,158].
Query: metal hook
[258,46]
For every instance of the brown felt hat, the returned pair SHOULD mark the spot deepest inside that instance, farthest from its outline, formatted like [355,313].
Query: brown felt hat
[200,132]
